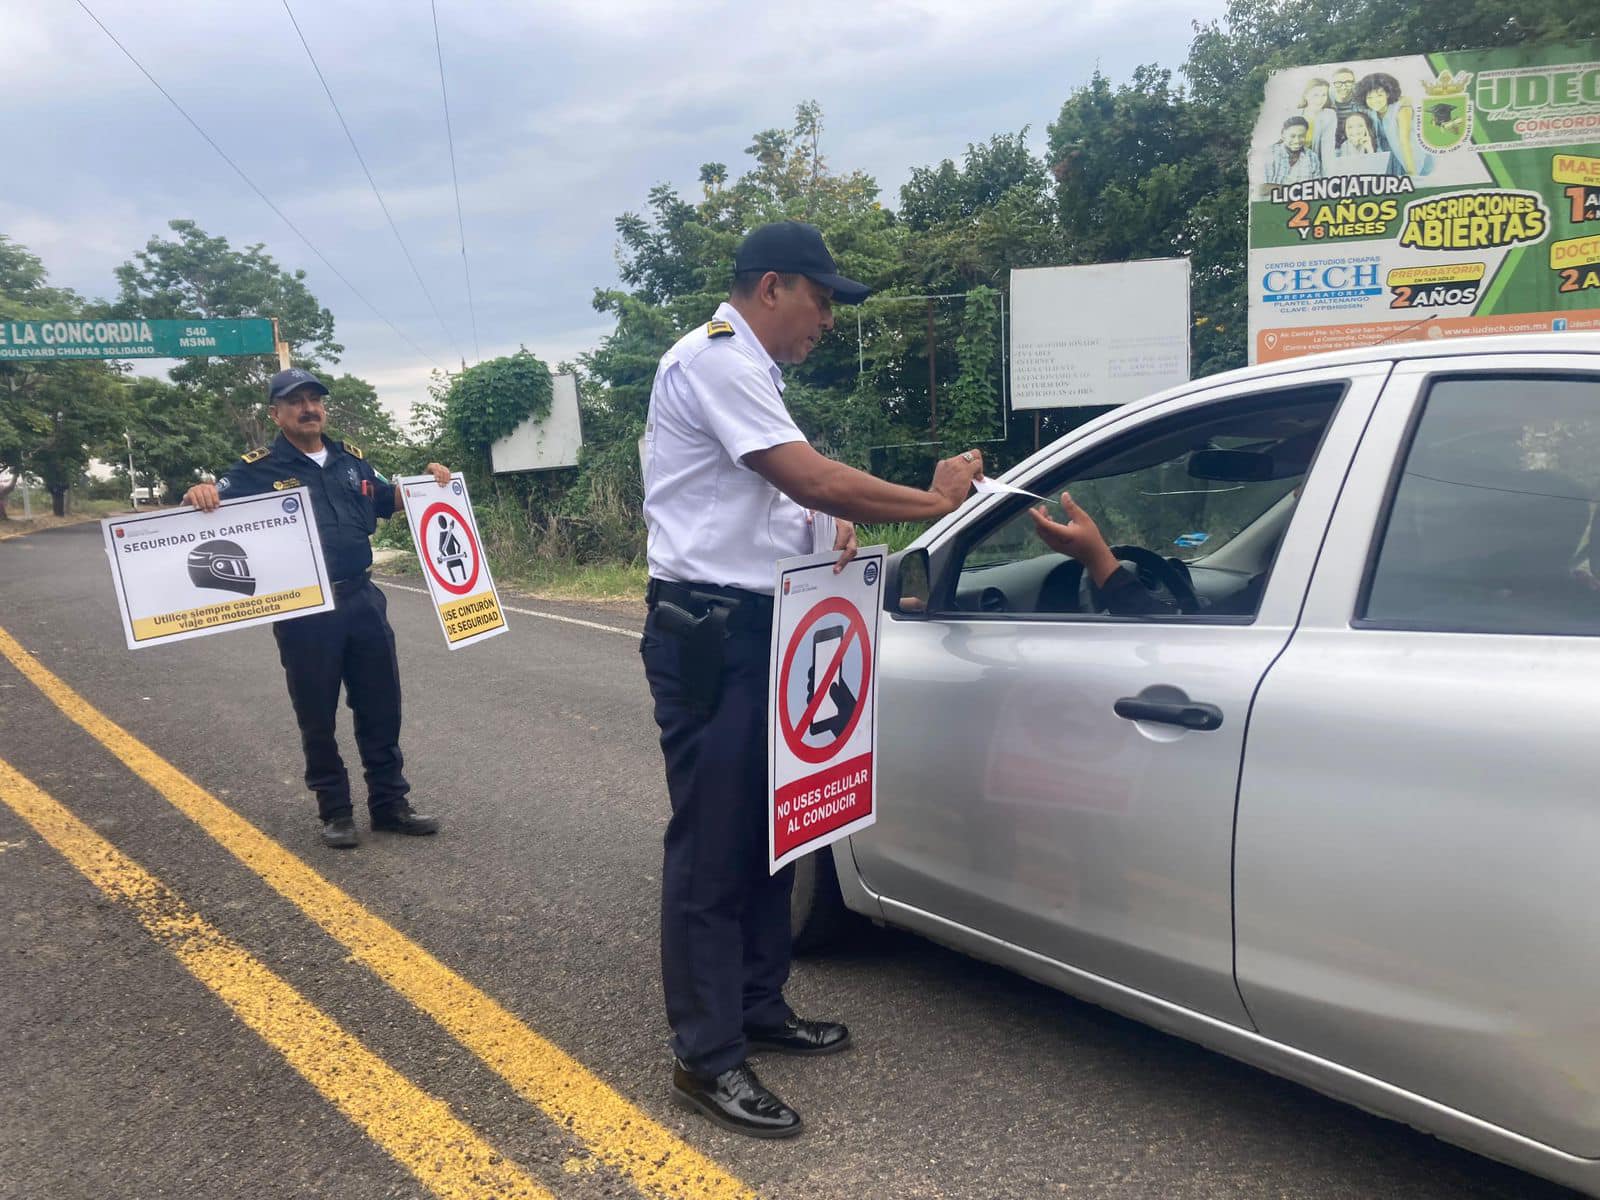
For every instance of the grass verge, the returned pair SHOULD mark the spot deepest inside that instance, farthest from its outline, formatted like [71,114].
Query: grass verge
[83,511]
[896,535]
[552,579]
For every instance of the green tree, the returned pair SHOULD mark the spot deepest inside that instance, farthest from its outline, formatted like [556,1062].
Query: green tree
[195,275]
[175,435]
[476,408]
[1143,171]
[967,228]
[973,227]
[677,260]
[51,413]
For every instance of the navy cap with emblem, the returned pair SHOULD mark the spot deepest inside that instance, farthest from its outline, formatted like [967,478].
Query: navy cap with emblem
[285,382]
[795,248]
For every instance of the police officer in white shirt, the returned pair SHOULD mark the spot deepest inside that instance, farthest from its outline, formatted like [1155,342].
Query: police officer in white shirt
[731,486]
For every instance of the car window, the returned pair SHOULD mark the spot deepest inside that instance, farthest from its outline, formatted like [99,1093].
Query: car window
[1492,526]
[1205,497]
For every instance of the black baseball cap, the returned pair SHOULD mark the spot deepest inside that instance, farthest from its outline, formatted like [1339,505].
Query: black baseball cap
[795,248]
[285,382]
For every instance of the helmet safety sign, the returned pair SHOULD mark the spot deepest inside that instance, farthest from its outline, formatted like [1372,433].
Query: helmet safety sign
[184,573]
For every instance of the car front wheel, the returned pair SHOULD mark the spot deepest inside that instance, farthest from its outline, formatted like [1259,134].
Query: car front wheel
[818,917]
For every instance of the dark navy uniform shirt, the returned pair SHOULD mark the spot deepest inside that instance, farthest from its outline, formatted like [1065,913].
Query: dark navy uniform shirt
[347,495]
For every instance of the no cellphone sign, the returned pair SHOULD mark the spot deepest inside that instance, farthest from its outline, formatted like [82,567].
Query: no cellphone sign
[824,715]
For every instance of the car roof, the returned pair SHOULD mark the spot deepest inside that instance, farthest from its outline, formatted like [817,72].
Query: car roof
[1450,347]
[1285,368]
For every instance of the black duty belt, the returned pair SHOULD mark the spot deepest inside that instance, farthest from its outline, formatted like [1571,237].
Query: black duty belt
[345,586]
[751,611]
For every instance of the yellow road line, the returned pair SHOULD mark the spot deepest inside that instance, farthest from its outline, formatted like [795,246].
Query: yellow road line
[618,1133]
[418,1130]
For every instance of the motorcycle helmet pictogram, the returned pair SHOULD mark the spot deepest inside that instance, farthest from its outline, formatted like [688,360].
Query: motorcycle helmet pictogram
[221,564]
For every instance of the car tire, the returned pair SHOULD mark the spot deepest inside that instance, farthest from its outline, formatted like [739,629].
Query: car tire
[818,917]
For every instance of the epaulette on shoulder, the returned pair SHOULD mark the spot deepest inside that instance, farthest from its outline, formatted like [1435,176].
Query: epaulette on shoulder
[719,329]
[353,449]
[256,455]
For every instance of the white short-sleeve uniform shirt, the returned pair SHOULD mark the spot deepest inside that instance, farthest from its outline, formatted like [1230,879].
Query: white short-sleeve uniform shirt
[710,518]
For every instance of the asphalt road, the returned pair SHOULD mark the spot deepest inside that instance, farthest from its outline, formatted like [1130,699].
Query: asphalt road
[128,1074]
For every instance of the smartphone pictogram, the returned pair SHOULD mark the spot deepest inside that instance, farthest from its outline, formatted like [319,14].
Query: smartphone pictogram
[825,646]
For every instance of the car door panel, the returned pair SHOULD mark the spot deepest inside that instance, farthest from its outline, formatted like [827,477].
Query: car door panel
[1016,802]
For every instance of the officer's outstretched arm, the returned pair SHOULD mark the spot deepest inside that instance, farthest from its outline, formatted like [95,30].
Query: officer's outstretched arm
[812,481]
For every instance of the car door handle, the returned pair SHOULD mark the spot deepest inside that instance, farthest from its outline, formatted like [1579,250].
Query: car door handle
[1185,713]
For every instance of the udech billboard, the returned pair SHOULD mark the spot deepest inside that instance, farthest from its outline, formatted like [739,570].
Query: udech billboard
[1426,196]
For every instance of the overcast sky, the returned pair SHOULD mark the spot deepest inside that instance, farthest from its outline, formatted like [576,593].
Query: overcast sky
[564,114]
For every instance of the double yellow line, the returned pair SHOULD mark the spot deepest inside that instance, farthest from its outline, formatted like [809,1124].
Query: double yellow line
[659,1164]
[419,1131]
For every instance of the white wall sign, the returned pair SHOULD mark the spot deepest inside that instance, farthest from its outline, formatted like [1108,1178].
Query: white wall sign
[547,444]
[1103,334]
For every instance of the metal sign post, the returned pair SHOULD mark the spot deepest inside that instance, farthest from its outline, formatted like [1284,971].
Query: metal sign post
[280,347]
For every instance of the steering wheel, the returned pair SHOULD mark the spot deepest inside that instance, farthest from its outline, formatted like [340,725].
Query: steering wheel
[1155,573]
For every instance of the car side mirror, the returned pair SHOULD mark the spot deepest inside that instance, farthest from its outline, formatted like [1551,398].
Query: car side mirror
[906,588]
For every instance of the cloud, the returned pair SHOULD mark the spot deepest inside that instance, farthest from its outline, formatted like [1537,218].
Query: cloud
[564,117]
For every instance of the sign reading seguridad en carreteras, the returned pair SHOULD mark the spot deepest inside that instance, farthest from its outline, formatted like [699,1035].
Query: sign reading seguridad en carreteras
[185,573]
[1426,196]
[453,561]
[77,338]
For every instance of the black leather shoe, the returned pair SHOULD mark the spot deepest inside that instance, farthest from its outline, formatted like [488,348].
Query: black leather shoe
[799,1036]
[339,833]
[400,819]
[735,1100]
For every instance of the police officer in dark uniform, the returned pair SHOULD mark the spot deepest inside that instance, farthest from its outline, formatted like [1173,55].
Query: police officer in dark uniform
[731,486]
[352,644]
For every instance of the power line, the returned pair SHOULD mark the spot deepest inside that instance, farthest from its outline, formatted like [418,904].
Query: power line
[461,228]
[395,229]
[238,170]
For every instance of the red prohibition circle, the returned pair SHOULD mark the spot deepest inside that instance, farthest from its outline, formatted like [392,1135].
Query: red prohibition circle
[855,628]
[457,589]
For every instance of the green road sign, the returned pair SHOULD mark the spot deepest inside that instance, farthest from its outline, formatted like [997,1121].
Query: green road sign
[55,340]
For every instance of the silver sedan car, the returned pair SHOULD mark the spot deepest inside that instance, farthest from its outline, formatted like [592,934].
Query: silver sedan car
[1315,787]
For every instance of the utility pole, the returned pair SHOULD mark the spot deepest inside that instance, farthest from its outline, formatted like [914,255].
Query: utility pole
[133,480]
[58,490]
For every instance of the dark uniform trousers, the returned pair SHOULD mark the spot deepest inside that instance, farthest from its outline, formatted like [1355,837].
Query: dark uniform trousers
[725,941]
[352,645]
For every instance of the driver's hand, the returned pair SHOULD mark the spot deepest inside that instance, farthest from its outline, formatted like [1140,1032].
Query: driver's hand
[1079,537]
